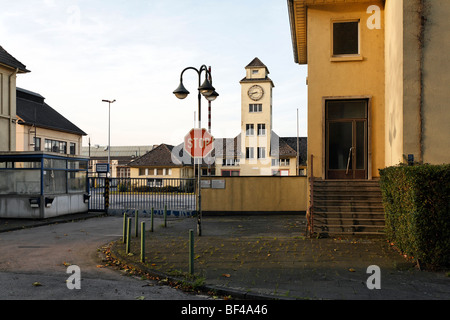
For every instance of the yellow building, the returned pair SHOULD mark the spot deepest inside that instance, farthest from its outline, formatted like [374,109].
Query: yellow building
[9,68]
[258,150]
[377,78]
[42,128]
[159,164]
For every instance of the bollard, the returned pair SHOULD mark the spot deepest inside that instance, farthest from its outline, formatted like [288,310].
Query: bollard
[191,252]
[165,216]
[143,242]
[124,227]
[128,235]
[136,223]
[151,225]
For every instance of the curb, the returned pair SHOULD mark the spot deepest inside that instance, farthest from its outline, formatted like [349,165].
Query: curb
[205,288]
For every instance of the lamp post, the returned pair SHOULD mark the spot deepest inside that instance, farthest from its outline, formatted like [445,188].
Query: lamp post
[109,133]
[208,91]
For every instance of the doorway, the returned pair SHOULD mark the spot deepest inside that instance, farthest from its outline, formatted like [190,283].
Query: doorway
[346,139]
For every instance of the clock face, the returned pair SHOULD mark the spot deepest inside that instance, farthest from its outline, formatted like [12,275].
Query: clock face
[256,93]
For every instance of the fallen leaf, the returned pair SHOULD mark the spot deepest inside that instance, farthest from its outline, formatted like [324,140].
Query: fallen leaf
[67,264]
[351,270]
[100,266]
[140,298]
[226,275]
[37,284]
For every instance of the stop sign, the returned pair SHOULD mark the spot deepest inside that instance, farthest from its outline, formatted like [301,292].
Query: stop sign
[198,143]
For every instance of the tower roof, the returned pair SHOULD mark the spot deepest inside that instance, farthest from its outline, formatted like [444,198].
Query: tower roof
[256,63]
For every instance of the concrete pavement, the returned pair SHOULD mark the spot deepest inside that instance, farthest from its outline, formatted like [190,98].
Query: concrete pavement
[269,257]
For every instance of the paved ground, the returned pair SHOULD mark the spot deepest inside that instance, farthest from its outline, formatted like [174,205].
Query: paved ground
[42,256]
[268,257]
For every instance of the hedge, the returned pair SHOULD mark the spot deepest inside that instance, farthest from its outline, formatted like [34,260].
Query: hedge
[416,201]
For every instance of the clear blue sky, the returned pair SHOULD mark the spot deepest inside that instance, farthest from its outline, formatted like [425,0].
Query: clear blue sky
[83,51]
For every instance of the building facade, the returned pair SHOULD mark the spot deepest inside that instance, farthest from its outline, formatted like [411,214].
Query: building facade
[376,77]
[9,68]
[160,163]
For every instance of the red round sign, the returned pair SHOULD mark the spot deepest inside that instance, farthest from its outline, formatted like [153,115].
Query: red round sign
[198,143]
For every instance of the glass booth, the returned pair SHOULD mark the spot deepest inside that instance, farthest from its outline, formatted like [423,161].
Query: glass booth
[39,185]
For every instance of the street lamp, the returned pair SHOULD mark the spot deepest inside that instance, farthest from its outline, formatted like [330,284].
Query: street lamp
[109,133]
[209,92]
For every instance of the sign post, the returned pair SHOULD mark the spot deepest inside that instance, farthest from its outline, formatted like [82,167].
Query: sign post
[199,143]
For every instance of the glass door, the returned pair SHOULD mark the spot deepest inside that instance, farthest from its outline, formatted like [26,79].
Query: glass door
[346,139]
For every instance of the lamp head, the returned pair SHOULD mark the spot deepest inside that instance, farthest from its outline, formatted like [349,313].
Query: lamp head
[181,92]
[206,88]
[213,96]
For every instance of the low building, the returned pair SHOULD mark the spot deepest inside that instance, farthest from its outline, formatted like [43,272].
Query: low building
[120,156]
[160,163]
[42,128]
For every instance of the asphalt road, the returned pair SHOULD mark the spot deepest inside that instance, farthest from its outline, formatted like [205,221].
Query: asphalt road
[34,265]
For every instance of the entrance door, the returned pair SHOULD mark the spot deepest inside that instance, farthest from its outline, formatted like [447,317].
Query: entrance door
[346,139]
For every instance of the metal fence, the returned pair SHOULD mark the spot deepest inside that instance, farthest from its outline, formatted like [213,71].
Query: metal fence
[119,195]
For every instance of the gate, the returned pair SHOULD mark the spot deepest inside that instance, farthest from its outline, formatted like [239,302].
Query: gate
[119,195]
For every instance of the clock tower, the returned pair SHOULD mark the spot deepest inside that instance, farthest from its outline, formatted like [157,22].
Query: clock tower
[256,119]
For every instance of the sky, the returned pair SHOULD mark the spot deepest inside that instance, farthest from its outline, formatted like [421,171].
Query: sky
[81,52]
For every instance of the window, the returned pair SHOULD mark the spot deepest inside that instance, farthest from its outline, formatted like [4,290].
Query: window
[261,153]
[73,147]
[346,38]
[250,153]
[280,162]
[230,173]
[255,108]
[55,146]
[261,129]
[230,162]
[250,129]
[37,144]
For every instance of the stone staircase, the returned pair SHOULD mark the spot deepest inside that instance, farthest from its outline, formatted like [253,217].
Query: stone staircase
[347,207]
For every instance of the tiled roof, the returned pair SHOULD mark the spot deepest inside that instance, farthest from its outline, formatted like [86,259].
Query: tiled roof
[166,155]
[32,110]
[159,156]
[256,63]
[8,60]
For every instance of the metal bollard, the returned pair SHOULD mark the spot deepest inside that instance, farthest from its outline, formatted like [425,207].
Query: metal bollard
[165,216]
[191,252]
[136,223]
[143,242]
[124,227]
[151,225]
[128,235]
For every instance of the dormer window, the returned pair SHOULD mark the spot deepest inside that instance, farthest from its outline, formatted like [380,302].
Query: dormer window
[345,38]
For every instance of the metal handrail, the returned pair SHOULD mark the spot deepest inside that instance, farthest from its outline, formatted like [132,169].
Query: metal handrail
[310,213]
[349,158]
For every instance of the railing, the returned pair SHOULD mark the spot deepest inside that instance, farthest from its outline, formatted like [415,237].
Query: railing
[310,213]
[143,194]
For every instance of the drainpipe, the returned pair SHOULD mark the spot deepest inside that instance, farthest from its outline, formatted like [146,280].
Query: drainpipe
[421,36]
[12,115]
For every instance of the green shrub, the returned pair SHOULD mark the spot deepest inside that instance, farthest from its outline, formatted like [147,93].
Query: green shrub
[416,201]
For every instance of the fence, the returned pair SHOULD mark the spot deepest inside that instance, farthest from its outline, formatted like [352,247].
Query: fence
[119,195]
